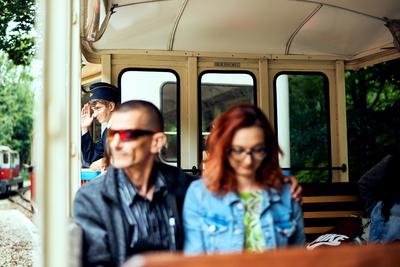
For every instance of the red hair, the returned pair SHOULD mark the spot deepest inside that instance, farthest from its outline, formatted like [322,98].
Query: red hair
[218,174]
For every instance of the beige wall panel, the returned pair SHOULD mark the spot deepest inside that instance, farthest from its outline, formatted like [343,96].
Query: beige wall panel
[215,55]
[263,88]
[114,74]
[301,65]
[106,68]
[243,65]
[341,117]
[189,114]
[335,159]
[149,64]
[121,58]
[271,101]
[90,72]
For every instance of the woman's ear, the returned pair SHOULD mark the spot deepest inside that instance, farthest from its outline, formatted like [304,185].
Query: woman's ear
[159,141]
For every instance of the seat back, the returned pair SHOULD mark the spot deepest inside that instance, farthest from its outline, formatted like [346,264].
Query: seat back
[326,205]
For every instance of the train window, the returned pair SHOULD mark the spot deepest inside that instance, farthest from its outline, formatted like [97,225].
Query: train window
[5,158]
[303,126]
[14,159]
[160,87]
[220,91]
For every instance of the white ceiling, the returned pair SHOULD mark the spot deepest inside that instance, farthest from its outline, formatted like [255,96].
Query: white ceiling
[251,26]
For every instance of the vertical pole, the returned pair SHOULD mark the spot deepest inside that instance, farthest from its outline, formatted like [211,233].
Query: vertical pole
[56,153]
[191,158]
[263,93]
[74,105]
[340,157]
[283,116]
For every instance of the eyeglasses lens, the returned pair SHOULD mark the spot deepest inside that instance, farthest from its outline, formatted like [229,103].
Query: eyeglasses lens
[128,135]
[239,153]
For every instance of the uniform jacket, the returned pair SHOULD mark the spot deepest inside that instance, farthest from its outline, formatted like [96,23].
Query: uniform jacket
[93,151]
[215,223]
[97,210]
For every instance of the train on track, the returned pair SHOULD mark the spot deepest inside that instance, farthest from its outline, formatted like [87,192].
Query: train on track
[9,169]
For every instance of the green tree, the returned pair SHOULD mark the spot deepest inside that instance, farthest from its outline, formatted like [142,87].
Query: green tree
[309,126]
[16,107]
[17,19]
[373,114]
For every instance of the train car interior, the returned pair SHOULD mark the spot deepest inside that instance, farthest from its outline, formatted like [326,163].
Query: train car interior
[196,59]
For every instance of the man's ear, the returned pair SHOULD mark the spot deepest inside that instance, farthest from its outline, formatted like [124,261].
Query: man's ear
[159,141]
[112,106]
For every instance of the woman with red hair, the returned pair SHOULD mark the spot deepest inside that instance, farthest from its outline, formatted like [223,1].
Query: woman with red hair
[242,202]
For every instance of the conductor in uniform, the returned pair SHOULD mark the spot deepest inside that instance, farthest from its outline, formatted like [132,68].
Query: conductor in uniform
[104,98]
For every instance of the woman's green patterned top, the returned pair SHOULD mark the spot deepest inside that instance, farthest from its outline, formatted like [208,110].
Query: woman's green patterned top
[254,237]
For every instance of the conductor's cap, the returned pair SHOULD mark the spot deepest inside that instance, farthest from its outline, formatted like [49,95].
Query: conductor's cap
[104,91]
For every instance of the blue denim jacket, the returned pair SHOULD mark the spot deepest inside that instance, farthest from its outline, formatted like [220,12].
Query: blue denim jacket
[382,231]
[215,224]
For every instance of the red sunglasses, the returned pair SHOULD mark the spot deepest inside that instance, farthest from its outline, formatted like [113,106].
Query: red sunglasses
[128,134]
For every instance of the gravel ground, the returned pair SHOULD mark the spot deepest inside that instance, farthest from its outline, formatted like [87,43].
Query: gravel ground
[18,236]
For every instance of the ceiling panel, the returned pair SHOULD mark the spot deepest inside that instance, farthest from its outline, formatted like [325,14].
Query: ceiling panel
[252,26]
[141,26]
[256,26]
[339,32]
[378,8]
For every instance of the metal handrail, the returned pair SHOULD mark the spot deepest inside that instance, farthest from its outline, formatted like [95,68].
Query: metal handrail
[342,168]
[196,171]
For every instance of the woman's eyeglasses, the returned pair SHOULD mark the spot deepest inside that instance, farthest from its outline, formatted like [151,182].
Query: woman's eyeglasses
[128,134]
[239,153]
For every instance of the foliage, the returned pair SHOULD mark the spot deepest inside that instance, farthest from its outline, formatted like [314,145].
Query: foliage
[16,107]
[373,115]
[309,126]
[17,19]
[373,120]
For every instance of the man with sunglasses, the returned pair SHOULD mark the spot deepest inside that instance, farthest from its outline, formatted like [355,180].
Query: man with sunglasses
[103,100]
[136,205]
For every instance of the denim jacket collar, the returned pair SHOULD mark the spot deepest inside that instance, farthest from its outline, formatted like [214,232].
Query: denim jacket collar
[269,196]
[231,198]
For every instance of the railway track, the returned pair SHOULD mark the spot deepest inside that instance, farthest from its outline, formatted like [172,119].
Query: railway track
[21,201]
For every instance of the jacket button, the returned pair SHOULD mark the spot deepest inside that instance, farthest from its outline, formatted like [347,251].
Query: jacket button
[212,228]
[239,206]
[238,231]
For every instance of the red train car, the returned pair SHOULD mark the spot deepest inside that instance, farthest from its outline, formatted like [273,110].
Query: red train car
[9,169]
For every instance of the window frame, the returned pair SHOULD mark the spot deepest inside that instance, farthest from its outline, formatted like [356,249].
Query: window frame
[178,103]
[199,101]
[6,158]
[328,111]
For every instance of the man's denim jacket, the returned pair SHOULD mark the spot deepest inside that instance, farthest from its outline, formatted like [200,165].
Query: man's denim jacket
[381,231]
[214,223]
